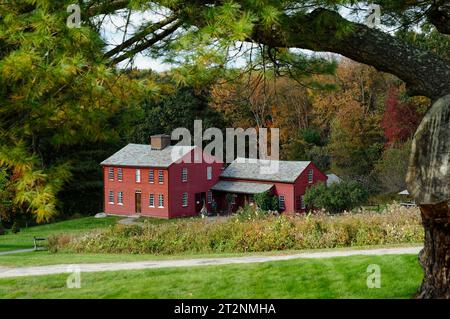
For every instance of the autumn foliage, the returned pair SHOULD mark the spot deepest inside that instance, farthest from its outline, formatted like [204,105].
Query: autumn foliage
[400,118]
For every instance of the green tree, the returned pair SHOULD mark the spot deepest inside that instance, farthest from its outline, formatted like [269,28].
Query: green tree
[336,198]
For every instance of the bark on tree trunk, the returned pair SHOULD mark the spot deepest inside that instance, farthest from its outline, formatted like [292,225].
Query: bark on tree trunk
[428,182]
[435,256]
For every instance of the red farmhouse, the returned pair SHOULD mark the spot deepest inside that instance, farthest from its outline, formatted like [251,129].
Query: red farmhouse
[155,180]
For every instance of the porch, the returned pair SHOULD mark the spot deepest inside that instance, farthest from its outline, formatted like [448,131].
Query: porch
[229,196]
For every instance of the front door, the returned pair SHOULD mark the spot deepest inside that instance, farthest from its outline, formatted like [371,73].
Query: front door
[199,201]
[137,202]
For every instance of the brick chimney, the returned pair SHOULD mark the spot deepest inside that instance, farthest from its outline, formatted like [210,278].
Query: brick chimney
[160,141]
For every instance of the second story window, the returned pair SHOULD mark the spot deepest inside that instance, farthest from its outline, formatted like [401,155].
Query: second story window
[152,200]
[281,202]
[138,176]
[119,174]
[310,176]
[111,173]
[160,176]
[185,200]
[151,176]
[184,174]
[209,173]
[111,197]
[120,198]
[161,201]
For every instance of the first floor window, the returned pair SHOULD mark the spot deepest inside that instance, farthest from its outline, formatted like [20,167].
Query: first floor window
[302,200]
[138,176]
[185,199]
[111,173]
[119,174]
[233,199]
[281,202]
[210,198]
[120,198]
[152,200]
[111,197]
[161,200]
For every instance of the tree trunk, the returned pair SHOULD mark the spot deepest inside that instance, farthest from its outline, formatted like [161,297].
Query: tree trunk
[428,182]
[435,256]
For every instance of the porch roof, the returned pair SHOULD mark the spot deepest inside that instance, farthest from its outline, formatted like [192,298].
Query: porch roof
[241,187]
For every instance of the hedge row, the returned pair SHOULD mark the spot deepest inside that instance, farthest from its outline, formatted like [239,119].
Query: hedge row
[396,225]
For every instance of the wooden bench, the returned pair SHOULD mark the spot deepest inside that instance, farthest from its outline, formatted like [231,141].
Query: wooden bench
[37,241]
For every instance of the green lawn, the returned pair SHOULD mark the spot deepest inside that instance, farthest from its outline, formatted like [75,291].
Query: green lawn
[24,239]
[41,258]
[342,277]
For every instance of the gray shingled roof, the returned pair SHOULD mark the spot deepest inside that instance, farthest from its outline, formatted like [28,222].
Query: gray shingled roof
[241,187]
[254,169]
[142,155]
[332,179]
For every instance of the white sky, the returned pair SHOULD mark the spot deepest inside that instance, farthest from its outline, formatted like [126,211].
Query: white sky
[113,32]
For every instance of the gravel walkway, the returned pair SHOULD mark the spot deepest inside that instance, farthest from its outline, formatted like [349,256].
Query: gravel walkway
[58,269]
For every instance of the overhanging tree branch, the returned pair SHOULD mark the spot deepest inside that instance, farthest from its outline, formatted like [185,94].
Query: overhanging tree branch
[146,43]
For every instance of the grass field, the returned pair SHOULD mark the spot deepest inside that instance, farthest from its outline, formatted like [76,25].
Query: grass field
[342,277]
[24,239]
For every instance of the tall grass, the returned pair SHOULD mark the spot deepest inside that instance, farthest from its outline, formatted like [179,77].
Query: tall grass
[255,232]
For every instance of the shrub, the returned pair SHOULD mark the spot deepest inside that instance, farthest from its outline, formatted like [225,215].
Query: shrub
[266,201]
[15,228]
[249,231]
[337,198]
[2,229]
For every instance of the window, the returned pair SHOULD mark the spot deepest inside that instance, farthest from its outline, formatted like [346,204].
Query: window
[310,176]
[185,199]
[210,198]
[111,197]
[119,174]
[151,176]
[281,202]
[184,175]
[209,173]
[233,199]
[298,203]
[120,198]
[161,177]
[161,200]
[138,176]
[151,200]
[111,173]
[302,199]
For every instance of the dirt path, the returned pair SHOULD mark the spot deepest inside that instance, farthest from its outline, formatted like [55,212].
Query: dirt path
[58,269]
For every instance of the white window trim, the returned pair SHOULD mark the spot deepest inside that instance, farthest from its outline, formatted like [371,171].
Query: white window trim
[160,173]
[159,206]
[109,173]
[136,175]
[184,175]
[209,173]
[118,197]
[109,197]
[209,197]
[149,203]
[310,176]
[284,202]
[187,200]
[151,180]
